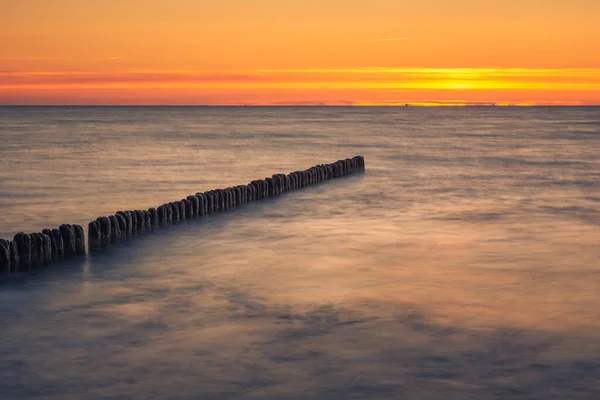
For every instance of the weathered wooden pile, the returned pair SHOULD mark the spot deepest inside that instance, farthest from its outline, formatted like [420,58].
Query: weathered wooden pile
[32,250]
[28,251]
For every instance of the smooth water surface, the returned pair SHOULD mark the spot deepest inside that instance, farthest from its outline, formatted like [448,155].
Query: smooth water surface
[462,265]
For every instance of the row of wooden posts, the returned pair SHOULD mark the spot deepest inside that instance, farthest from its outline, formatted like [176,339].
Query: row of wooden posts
[28,251]
[32,250]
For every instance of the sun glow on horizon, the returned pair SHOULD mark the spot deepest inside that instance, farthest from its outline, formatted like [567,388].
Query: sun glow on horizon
[265,52]
[358,86]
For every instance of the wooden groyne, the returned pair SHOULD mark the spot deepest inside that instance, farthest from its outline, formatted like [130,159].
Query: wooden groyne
[29,251]
[33,250]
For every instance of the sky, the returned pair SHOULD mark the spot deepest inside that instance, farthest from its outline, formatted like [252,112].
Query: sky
[300,52]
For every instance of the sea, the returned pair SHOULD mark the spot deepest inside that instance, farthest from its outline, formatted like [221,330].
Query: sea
[463,263]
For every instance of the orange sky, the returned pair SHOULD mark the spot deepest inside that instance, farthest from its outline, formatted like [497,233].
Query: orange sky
[299,52]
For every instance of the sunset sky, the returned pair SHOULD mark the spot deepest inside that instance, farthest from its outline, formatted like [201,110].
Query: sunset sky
[280,52]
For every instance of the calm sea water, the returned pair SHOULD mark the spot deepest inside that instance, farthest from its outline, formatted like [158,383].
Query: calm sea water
[462,265]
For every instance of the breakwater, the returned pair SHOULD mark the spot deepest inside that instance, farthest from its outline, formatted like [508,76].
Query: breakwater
[29,251]
[33,250]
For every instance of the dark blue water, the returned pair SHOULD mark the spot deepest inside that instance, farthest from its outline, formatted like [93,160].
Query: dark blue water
[462,265]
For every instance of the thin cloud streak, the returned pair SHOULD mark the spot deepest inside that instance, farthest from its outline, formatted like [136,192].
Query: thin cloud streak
[374,79]
[434,86]
[30,58]
[384,40]
[53,58]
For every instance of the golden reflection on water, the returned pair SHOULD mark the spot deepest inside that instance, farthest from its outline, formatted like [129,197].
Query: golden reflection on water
[464,261]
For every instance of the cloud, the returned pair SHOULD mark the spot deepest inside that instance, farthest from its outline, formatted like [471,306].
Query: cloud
[384,40]
[53,58]
[439,79]
[300,103]
[29,58]
[360,86]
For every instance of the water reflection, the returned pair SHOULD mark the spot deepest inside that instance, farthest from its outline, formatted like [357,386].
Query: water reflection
[462,265]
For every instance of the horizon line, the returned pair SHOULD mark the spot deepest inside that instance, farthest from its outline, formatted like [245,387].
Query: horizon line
[312,105]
